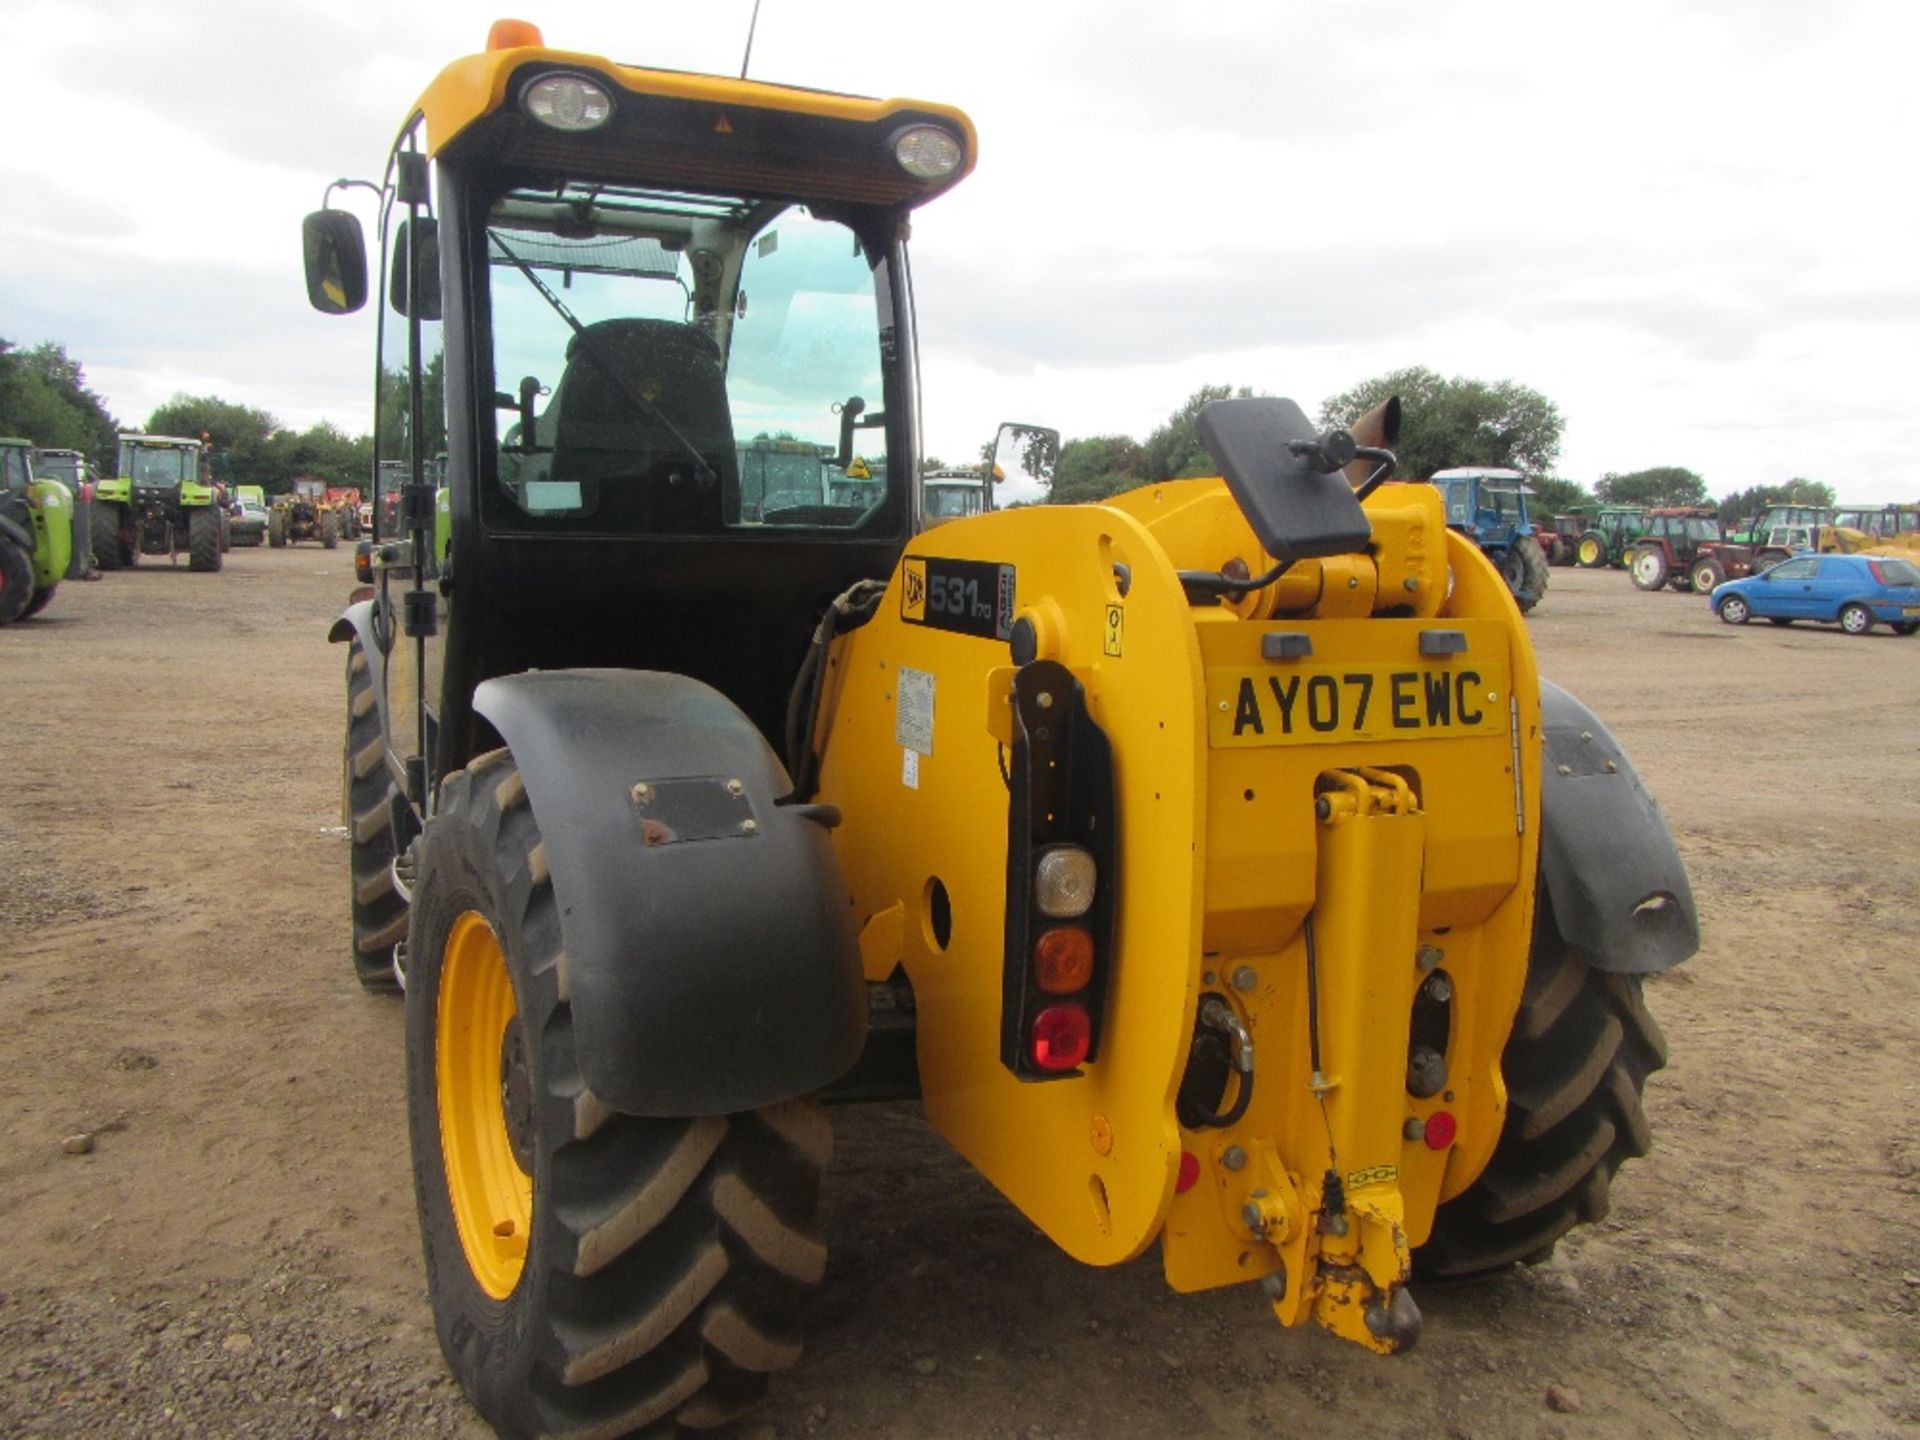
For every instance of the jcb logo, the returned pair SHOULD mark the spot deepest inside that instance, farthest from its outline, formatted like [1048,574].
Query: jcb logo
[913,591]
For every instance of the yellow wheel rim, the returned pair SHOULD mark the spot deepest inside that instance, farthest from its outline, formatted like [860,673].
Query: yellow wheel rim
[490,1187]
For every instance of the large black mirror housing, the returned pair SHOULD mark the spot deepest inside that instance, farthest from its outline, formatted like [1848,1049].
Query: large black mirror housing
[416,248]
[335,250]
[1285,475]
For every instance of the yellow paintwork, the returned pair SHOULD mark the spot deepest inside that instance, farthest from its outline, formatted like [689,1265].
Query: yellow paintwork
[1429,842]
[491,1196]
[476,85]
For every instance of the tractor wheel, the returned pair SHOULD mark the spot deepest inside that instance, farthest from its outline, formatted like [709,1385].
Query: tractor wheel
[277,528]
[1767,559]
[330,531]
[104,522]
[379,910]
[226,530]
[590,1272]
[1590,553]
[1856,619]
[203,539]
[1735,610]
[1534,572]
[41,599]
[16,581]
[1581,1049]
[1649,568]
[1707,573]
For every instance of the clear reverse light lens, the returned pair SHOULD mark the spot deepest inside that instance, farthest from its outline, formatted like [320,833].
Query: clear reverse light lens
[567,102]
[1063,882]
[927,152]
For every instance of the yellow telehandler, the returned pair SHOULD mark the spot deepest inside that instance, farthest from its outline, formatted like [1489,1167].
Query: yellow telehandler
[1212,863]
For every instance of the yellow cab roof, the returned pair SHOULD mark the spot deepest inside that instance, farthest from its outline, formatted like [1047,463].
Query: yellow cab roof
[475,86]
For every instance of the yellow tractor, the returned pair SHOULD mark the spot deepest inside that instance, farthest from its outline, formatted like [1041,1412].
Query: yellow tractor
[1213,863]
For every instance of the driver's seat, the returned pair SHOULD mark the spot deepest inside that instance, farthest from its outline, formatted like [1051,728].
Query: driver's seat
[633,474]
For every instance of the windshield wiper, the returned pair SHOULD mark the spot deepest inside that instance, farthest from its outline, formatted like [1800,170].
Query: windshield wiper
[607,365]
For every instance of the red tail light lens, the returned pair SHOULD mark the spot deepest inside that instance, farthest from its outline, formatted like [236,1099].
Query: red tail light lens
[1060,1036]
[363,562]
[1189,1173]
[1063,960]
[1440,1130]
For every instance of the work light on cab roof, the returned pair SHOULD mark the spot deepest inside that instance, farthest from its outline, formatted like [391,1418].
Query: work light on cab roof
[567,102]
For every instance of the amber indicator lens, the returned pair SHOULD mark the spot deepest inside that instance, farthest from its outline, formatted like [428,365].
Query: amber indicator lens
[1063,960]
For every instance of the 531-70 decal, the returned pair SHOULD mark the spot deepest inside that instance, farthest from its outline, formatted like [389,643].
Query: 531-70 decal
[968,597]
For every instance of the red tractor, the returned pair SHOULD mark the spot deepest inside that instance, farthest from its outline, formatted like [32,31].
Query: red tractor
[1686,547]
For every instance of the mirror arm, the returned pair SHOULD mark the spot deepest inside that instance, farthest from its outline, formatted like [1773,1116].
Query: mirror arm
[1388,462]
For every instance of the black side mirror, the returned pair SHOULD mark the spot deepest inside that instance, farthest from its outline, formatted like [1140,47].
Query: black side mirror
[416,246]
[1286,477]
[336,257]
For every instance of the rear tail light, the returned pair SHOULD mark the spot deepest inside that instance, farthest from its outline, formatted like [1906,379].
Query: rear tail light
[1060,1037]
[1060,868]
[363,562]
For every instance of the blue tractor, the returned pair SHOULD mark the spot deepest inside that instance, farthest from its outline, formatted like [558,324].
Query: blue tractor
[1489,507]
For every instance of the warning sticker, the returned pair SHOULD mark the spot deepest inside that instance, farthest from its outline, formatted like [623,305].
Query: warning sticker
[910,769]
[1116,631]
[913,718]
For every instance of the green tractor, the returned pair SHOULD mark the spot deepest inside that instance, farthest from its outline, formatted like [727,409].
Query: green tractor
[72,469]
[36,534]
[160,504]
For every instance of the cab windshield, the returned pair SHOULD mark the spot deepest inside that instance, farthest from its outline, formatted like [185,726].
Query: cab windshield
[156,467]
[678,364]
[1699,527]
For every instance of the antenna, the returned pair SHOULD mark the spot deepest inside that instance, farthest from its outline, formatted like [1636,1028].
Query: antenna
[751,24]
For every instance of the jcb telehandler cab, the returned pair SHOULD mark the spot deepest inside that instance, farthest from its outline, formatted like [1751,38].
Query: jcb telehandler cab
[1212,862]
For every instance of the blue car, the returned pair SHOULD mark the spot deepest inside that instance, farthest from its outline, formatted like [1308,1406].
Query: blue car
[1851,591]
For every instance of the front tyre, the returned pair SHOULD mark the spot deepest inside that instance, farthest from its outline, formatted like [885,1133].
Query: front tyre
[105,521]
[367,790]
[16,581]
[1856,619]
[1734,610]
[203,539]
[590,1272]
[1576,1062]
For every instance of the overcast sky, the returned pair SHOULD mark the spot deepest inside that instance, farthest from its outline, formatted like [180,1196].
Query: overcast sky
[1690,223]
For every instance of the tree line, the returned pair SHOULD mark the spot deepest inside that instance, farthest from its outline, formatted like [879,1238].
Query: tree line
[1446,421]
[44,397]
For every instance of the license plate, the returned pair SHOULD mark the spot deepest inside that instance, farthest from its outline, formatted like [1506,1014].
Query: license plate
[1311,704]
[1910,612]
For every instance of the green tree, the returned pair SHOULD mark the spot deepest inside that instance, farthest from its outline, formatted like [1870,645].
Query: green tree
[1448,421]
[242,434]
[1173,450]
[1744,505]
[1554,496]
[1662,485]
[1094,468]
[44,398]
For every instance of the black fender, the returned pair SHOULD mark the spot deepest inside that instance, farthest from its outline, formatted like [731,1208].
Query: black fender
[1607,858]
[359,621]
[712,963]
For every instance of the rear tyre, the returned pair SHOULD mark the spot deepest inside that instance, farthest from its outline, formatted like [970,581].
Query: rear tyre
[1856,619]
[1734,610]
[330,531]
[1581,1049]
[1591,552]
[1649,568]
[1533,570]
[1779,619]
[277,529]
[203,539]
[1903,627]
[379,909]
[590,1272]
[104,522]
[16,581]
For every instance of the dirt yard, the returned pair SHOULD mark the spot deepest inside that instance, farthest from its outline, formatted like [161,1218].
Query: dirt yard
[235,1253]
